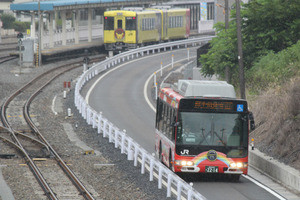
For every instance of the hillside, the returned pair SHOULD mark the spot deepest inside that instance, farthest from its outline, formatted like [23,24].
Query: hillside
[277,119]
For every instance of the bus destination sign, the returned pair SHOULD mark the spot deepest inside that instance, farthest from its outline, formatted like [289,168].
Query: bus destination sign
[213,105]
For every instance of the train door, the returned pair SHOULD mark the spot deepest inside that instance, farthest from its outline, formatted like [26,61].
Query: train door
[165,25]
[158,25]
[119,29]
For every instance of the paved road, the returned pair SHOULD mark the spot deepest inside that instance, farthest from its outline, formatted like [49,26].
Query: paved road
[119,96]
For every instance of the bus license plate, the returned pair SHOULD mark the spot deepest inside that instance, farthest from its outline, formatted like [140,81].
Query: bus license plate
[211,169]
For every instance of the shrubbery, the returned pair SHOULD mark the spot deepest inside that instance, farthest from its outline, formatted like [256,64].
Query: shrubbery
[21,26]
[268,28]
[274,69]
[9,22]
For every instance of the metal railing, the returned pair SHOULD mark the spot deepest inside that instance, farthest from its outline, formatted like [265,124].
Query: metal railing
[120,139]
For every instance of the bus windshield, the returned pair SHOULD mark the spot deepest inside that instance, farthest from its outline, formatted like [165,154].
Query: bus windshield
[222,131]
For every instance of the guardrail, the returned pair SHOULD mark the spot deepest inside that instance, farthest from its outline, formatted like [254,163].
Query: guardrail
[127,145]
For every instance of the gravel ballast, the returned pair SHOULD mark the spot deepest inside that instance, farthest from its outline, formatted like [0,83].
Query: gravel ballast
[107,174]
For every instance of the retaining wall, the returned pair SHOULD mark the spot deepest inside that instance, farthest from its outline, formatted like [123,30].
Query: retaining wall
[282,173]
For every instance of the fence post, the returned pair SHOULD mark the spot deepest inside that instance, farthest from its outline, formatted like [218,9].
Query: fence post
[129,150]
[160,177]
[151,170]
[123,141]
[169,185]
[99,122]
[143,163]
[135,155]
[116,137]
[179,185]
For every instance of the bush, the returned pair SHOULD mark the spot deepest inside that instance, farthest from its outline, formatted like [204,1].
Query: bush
[21,26]
[7,20]
[274,69]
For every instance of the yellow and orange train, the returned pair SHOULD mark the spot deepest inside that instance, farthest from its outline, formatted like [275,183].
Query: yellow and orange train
[129,29]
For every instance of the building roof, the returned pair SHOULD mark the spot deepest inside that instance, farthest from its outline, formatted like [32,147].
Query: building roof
[50,5]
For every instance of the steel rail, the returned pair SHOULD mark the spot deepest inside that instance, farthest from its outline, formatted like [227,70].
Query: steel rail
[86,194]
[48,191]
[6,58]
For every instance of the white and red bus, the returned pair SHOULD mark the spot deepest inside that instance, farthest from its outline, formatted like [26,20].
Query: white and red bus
[202,128]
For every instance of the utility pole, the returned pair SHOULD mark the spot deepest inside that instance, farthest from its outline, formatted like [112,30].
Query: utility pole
[39,38]
[227,72]
[0,30]
[240,50]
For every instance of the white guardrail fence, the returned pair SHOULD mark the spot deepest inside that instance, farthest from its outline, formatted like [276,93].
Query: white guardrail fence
[127,145]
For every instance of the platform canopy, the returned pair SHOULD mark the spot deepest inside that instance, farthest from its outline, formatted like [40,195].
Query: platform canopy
[54,5]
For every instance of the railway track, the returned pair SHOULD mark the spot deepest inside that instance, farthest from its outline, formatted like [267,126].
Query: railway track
[53,174]
[9,45]
[4,59]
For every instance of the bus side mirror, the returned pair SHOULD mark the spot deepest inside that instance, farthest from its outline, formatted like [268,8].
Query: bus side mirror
[252,123]
[175,124]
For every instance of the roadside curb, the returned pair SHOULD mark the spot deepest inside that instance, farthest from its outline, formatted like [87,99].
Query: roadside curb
[280,172]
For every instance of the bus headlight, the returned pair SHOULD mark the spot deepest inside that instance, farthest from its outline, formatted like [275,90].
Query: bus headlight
[236,165]
[239,165]
[184,163]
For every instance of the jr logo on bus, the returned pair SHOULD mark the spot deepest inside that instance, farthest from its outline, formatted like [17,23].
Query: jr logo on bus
[185,151]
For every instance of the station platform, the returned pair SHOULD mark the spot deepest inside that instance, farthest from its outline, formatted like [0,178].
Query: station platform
[71,50]
[94,45]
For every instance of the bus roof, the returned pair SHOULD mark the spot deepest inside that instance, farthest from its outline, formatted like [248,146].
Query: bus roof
[198,88]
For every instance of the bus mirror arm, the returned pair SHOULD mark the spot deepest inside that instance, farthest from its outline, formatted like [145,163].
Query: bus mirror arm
[252,123]
[175,124]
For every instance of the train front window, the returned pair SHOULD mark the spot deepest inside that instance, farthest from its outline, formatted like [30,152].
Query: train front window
[108,23]
[220,130]
[130,23]
[120,23]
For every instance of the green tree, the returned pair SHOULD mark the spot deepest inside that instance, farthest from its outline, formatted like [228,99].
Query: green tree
[222,52]
[21,26]
[268,25]
[7,20]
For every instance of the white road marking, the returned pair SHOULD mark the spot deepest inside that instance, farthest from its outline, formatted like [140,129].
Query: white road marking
[113,69]
[264,187]
[53,104]
[148,80]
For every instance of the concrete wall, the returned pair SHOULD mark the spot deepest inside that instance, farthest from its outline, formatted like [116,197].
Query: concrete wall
[6,32]
[282,173]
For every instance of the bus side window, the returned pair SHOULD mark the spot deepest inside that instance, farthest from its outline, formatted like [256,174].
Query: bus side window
[173,121]
[158,113]
[169,128]
[165,118]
